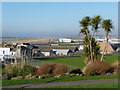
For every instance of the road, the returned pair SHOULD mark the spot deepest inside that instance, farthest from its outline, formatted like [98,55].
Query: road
[83,82]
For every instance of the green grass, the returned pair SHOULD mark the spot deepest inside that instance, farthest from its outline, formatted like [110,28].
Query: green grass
[55,79]
[100,85]
[73,61]
[111,58]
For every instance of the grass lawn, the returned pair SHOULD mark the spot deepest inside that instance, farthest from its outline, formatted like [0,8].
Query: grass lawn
[100,85]
[55,79]
[73,61]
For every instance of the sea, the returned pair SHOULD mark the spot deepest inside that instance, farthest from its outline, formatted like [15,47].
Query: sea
[12,37]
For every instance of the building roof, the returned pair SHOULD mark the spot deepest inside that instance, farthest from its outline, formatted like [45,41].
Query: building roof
[102,45]
[49,48]
[65,38]
[61,50]
[115,46]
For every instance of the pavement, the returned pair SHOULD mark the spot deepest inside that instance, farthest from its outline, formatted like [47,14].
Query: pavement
[82,82]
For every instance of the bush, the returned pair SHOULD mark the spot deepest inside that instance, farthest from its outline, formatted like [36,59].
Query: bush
[51,69]
[20,69]
[44,69]
[17,78]
[76,71]
[60,69]
[4,77]
[96,68]
[27,69]
[116,66]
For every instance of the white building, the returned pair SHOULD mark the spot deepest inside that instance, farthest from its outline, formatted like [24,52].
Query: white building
[46,53]
[114,41]
[78,48]
[61,52]
[4,53]
[100,39]
[62,40]
[39,53]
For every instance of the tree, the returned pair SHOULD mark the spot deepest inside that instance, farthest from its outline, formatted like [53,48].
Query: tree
[89,28]
[89,40]
[84,23]
[95,23]
[107,26]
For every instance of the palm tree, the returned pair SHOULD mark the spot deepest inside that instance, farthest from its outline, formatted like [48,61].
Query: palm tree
[107,26]
[95,21]
[84,23]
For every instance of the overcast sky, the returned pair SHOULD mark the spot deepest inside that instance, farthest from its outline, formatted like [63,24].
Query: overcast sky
[50,19]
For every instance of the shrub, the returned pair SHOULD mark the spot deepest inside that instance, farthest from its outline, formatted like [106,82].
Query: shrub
[60,69]
[20,69]
[17,78]
[27,69]
[43,69]
[4,77]
[3,65]
[7,72]
[116,66]
[51,69]
[76,71]
[96,68]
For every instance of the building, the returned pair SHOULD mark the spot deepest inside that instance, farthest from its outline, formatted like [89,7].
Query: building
[40,53]
[46,53]
[109,48]
[114,41]
[78,48]
[4,53]
[64,40]
[61,52]
[100,40]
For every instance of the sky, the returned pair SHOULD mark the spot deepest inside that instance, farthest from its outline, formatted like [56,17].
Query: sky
[52,19]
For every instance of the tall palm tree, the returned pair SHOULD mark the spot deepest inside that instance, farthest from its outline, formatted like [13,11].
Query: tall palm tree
[107,26]
[95,23]
[84,23]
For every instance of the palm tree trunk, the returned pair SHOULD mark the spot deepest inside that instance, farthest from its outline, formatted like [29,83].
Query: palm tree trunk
[94,36]
[91,53]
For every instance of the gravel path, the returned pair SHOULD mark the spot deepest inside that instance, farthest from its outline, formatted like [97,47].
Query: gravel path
[83,82]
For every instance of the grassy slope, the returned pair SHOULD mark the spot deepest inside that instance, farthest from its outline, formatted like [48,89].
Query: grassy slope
[100,85]
[55,79]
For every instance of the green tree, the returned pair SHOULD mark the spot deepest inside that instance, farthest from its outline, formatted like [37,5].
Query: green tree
[107,26]
[95,23]
[91,48]
[84,23]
